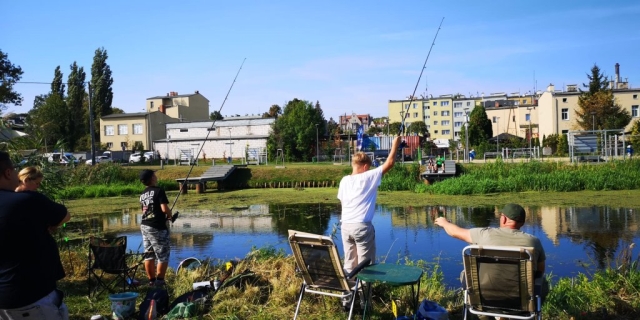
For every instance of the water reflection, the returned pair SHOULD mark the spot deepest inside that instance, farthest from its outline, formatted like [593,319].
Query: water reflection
[575,239]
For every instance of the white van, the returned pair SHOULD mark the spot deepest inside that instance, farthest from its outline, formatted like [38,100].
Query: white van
[62,158]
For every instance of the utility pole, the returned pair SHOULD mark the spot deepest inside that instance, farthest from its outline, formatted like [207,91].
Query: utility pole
[466,135]
[317,145]
[92,129]
[530,133]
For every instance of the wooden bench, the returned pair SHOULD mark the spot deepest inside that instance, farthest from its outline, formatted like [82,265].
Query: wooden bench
[492,154]
[449,171]
[215,173]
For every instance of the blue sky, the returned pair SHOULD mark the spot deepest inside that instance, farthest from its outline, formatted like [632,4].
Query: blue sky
[352,56]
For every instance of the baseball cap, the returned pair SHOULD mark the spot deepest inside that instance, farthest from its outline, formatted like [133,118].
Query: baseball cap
[514,212]
[146,174]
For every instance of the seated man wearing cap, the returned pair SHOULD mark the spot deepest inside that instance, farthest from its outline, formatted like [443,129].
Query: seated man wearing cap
[155,233]
[512,218]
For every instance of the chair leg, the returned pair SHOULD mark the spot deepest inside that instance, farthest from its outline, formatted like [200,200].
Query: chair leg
[354,296]
[295,316]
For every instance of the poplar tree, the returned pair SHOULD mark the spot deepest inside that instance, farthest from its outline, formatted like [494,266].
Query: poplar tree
[57,86]
[78,122]
[101,82]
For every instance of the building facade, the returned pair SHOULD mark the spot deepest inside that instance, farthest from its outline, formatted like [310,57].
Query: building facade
[350,123]
[230,137]
[186,107]
[126,130]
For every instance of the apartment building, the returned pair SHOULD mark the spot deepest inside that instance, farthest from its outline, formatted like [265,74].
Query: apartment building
[461,105]
[124,131]
[399,108]
[187,107]
[514,114]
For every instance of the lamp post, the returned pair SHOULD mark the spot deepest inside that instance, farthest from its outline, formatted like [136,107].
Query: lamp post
[593,120]
[530,133]
[230,143]
[388,141]
[497,134]
[317,145]
[466,134]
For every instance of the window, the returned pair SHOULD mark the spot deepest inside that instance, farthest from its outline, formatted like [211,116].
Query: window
[513,119]
[435,113]
[415,105]
[445,113]
[108,130]
[435,131]
[211,129]
[524,101]
[123,145]
[428,127]
[444,103]
[415,114]
[456,134]
[151,105]
[527,117]
[137,128]
[565,113]
[446,131]
[457,104]
[634,111]
[435,123]
[184,130]
[109,145]
[494,119]
[564,100]
[435,103]
[457,124]
[406,106]
[445,122]
[468,103]
[565,131]
[122,129]
[457,114]
[635,96]
[517,103]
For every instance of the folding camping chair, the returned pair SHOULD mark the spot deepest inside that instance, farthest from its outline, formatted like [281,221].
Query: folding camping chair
[318,261]
[500,282]
[109,257]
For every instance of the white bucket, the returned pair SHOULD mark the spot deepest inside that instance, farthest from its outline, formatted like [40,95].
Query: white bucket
[123,304]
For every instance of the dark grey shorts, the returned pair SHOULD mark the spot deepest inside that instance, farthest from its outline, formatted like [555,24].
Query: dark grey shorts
[156,243]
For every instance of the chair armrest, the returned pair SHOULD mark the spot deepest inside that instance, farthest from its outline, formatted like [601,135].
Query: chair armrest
[358,268]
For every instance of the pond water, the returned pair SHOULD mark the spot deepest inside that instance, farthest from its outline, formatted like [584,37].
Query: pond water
[576,239]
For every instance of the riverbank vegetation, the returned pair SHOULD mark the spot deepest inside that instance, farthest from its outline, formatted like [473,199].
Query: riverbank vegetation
[108,180]
[272,291]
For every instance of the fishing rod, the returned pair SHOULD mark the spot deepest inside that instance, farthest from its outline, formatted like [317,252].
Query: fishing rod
[184,184]
[412,97]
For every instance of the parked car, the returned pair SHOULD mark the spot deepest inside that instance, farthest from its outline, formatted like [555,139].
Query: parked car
[100,159]
[136,157]
[62,158]
[149,155]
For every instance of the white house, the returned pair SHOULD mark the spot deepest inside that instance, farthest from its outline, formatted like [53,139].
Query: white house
[232,137]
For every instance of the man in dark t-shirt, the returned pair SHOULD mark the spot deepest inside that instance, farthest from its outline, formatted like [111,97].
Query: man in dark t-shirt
[29,258]
[155,234]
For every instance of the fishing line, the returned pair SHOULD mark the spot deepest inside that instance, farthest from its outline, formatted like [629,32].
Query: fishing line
[412,97]
[184,184]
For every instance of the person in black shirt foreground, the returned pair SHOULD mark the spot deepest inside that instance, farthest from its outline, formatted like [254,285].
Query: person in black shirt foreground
[156,215]
[29,258]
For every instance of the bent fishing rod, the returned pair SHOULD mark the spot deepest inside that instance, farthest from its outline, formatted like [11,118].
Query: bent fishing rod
[184,184]
[424,66]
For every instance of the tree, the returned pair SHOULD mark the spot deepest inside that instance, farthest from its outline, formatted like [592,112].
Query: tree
[78,120]
[373,130]
[216,115]
[57,86]
[52,117]
[274,112]
[635,135]
[480,127]
[597,81]
[394,128]
[117,111]
[597,108]
[101,82]
[295,132]
[418,127]
[10,74]
[601,111]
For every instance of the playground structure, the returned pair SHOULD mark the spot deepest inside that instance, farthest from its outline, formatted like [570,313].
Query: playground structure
[257,156]
[280,159]
[338,157]
[597,145]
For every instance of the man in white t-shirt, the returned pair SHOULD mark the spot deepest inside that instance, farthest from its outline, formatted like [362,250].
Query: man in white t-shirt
[358,193]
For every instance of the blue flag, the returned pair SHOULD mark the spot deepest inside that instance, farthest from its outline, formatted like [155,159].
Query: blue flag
[360,138]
